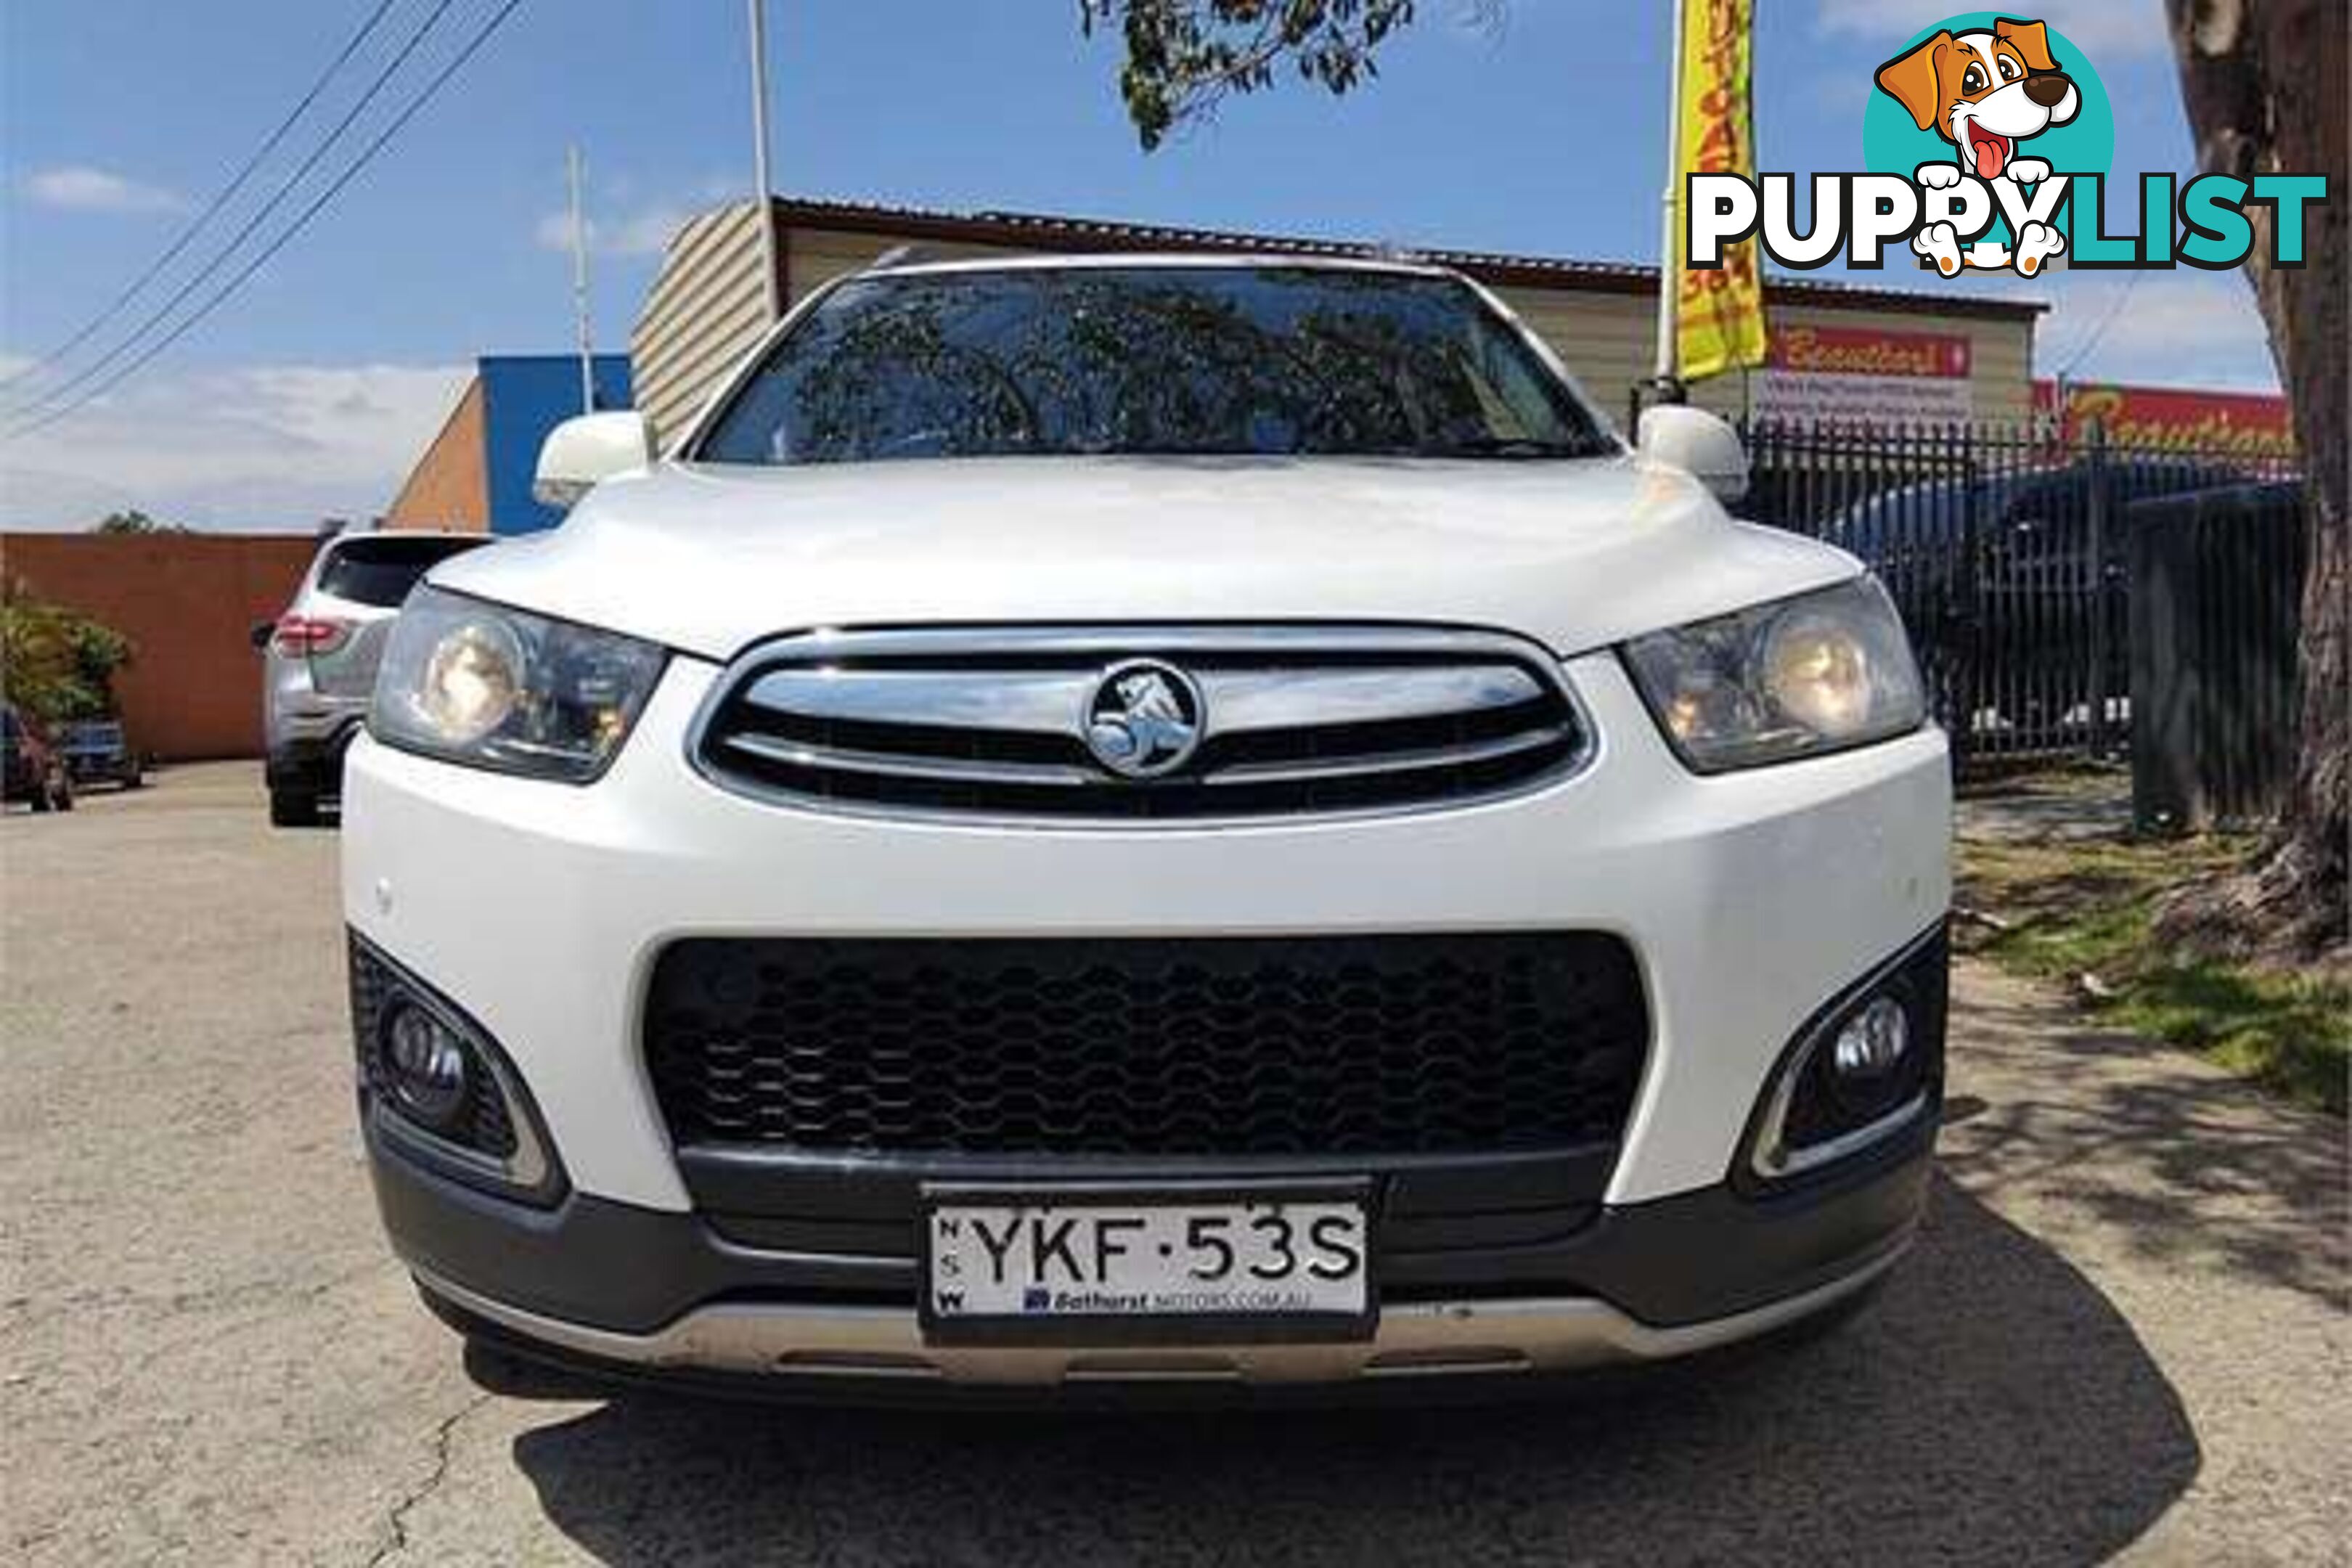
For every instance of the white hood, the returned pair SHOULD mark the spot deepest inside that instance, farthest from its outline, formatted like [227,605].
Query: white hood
[708,559]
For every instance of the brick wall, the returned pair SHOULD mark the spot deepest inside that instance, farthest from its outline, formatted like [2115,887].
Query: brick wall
[188,601]
[450,486]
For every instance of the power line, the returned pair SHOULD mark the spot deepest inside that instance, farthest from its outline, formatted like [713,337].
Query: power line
[221,256]
[227,194]
[350,171]
[2114,307]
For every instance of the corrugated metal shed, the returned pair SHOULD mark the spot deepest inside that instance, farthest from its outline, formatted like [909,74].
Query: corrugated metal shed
[705,311]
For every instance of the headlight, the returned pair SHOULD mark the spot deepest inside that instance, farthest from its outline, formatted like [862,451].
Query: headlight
[495,687]
[1817,673]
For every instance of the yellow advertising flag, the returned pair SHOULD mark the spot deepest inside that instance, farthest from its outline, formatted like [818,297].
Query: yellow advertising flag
[1719,313]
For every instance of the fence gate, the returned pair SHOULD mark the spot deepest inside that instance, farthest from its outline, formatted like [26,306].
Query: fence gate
[2008,551]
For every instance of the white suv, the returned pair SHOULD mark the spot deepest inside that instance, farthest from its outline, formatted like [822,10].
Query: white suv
[1114,820]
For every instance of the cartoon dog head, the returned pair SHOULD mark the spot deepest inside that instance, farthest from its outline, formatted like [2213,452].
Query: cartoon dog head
[1984,92]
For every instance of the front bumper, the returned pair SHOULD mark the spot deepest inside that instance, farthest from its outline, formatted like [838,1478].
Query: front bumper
[811,1352]
[1748,901]
[310,760]
[110,768]
[639,1293]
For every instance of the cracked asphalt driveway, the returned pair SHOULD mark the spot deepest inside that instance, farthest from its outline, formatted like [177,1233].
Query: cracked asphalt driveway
[2123,1335]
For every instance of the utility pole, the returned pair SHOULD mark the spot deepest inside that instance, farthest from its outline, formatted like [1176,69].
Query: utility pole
[580,284]
[760,181]
[1665,384]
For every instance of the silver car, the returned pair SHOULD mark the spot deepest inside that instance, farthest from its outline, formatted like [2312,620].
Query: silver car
[320,659]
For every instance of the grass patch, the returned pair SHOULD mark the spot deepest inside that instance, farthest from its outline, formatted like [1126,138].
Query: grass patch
[2071,910]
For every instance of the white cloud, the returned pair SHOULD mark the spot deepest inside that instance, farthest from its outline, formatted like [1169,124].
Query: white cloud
[641,226]
[2101,29]
[2186,328]
[254,447]
[80,189]
[640,233]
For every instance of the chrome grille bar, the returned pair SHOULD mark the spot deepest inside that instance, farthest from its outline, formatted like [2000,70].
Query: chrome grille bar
[1548,735]
[968,699]
[1013,699]
[949,770]
[994,722]
[1301,699]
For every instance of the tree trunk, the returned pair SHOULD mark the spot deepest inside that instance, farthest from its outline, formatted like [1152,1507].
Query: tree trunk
[2263,81]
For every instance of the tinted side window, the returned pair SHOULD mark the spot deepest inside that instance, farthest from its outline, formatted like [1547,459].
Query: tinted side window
[380,572]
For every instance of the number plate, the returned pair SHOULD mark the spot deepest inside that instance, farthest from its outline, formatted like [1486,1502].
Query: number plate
[1117,1266]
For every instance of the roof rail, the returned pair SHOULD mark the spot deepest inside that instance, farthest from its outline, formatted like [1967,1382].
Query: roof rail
[1403,255]
[899,255]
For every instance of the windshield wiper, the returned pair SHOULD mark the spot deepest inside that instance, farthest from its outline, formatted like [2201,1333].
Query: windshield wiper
[1500,447]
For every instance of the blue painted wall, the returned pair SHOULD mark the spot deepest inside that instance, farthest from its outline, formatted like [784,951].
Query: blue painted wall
[523,398]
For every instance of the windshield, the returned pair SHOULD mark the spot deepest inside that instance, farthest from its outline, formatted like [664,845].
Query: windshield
[1166,360]
[378,571]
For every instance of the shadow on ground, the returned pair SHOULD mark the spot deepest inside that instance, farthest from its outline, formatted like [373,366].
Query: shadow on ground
[1992,1408]
[2180,1167]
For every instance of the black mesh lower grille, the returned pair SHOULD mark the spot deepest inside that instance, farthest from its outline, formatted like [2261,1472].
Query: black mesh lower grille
[1380,1045]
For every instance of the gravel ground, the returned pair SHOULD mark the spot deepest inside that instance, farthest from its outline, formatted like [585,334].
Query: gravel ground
[2122,1337]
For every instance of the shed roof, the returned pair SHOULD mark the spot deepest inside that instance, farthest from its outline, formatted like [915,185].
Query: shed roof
[1043,231]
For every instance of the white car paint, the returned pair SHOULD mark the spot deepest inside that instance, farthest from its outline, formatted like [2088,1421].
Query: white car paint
[711,558]
[1750,899]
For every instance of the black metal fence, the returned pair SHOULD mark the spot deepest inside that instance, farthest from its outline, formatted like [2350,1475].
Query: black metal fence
[2216,613]
[2009,549]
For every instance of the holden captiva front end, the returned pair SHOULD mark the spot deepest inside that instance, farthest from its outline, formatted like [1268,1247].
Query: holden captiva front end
[1117,821]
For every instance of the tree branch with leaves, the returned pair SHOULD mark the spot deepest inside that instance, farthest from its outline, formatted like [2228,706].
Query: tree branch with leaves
[59,664]
[1186,56]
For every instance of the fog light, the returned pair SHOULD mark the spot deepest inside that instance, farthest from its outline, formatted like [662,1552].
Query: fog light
[1872,1041]
[1867,1069]
[426,1063]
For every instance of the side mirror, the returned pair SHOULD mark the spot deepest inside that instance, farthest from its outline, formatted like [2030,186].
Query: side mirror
[1700,444]
[581,452]
[261,634]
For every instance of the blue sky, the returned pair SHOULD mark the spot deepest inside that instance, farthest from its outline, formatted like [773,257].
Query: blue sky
[314,388]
